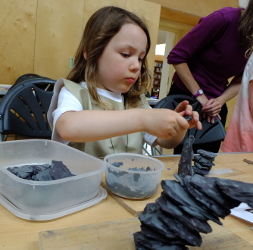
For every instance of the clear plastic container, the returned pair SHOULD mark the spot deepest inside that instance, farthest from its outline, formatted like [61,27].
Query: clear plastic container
[132,184]
[47,197]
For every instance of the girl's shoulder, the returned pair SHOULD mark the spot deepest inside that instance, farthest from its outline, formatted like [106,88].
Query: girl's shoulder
[70,85]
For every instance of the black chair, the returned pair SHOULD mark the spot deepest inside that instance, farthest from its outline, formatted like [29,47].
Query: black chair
[23,110]
[210,133]
[25,77]
[29,76]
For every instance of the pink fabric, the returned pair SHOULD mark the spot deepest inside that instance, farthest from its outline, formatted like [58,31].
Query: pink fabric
[239,137]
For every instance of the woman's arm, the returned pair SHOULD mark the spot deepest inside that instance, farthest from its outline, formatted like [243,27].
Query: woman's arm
[212,107]
[231,91]
[187,78]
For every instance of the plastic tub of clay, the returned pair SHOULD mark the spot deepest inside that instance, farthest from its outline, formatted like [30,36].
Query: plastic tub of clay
[132,176]
[48,197]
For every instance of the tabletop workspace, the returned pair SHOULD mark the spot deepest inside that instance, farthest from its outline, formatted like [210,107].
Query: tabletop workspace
[111,223]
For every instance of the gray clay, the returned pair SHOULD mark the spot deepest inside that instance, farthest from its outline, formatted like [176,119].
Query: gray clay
[43,172]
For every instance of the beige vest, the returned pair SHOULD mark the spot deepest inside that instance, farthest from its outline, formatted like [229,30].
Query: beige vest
[131,143]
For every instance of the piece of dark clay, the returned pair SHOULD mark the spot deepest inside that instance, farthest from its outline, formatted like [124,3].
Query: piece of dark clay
[191,236]
[141,169]
[185,163]
[202,160]
[176,192]
[117,164]
[206,202]
[204,166]
[43,176]
[207,154]
[237,190]
[41,172]
[59,171]
[23,172]
[149,218]
[187,118]
[200,171]
[176,212]
[142,242]
[150,233]
[209,187]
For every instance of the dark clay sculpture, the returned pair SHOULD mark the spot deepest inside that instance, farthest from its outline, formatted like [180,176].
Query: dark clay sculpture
[186,204]
[185,163]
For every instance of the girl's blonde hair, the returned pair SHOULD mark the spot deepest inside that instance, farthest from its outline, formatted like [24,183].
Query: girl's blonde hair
[100,28]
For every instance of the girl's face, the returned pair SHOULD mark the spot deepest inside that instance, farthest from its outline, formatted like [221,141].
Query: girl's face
[120,63]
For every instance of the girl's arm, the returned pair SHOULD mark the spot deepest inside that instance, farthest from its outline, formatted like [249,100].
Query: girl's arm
[93,125]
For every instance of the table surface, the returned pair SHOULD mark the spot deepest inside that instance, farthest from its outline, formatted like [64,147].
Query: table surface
[16,233]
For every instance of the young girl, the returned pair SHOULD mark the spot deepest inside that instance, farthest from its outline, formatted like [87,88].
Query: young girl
[101,107]
[239,137]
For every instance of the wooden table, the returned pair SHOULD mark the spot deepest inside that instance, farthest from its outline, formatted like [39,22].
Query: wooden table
[16,233]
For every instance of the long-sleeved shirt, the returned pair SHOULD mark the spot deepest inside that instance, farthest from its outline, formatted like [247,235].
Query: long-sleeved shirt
[212,50]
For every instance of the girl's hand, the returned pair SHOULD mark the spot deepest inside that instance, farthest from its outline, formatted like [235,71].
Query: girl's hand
[164,123]
[185,109]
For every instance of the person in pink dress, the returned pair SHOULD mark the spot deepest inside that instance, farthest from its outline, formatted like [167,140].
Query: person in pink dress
[239,137]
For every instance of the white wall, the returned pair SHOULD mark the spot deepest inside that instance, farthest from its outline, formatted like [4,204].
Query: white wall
[164,86]
[243,3]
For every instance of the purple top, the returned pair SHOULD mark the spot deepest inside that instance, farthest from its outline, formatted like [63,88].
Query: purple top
[212,51]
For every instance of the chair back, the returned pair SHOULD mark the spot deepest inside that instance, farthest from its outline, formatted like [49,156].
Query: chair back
[23,110]
[25,77]
[211,132]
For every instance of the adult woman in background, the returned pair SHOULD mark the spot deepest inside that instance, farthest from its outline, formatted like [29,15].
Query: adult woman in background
[210,54]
